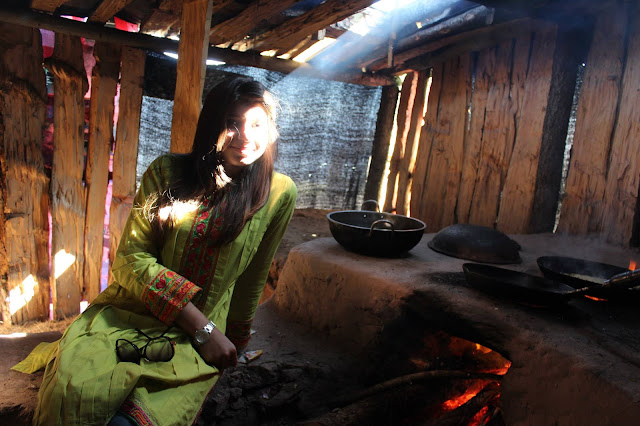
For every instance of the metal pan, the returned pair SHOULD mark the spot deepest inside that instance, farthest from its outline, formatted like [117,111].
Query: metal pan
[517,286]
[534,290]
[579,273]
[477,243]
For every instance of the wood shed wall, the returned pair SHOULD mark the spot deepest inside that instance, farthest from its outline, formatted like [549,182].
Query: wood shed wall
[491,148]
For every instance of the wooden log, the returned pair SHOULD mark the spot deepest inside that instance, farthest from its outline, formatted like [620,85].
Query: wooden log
[68,196]
[447,134]
[192,53]
[408,160]
[163,18]
[516,207]
[426,144]
[597,108]
[240,26]
[125,153]
[47,5]
[381,143]
[251,59]
[403,120]
[24,200]
[107,9]
[103,91]
[623,177]
[570,52]
[284,37]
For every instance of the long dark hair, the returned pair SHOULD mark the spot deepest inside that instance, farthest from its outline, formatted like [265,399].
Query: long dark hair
[202,175]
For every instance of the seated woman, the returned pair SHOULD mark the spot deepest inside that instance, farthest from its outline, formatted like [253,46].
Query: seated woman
[188,274]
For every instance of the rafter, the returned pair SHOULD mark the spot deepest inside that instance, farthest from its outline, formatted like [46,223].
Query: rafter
[163,18]
[286,36]
[238,27]
[107,9]
[46,5]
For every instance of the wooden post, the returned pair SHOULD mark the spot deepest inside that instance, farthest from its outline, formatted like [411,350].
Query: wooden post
[192,54]
[595,121]
[381,142]
[403,120]
[125,153]
[408,160]
[103,91]
[24,201]
[68,197]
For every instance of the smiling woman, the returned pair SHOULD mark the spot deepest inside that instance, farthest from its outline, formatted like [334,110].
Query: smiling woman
[187,278]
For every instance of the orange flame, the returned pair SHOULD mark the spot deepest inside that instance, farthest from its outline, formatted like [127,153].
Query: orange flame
[632,265]
[597,299]
[471,391]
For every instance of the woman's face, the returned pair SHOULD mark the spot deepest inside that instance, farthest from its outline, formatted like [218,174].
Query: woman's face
[247,136]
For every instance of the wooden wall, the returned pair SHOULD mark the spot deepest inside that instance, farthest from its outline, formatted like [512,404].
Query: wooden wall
[76,190]
[491,148]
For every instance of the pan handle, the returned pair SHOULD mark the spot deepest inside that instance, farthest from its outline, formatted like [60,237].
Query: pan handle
[374,202]
[378,222]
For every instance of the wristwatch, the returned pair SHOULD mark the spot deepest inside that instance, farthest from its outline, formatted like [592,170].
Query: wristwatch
[202,334]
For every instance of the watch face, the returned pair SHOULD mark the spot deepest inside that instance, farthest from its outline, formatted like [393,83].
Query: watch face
[201,336]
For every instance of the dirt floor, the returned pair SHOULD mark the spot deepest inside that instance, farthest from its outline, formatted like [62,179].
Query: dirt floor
[18,392]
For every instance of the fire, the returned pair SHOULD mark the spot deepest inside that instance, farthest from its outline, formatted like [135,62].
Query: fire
[597,299]
[470,392]
[632,265]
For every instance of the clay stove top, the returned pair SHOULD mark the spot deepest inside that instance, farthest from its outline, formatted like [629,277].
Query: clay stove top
[576,365]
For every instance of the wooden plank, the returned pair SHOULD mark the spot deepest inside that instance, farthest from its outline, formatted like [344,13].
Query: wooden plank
[381,142]
[24,198]
[125,153]
[570,52]
[68,197]
[103,91]
[423,157]
[408,160]
[284,37]
[447,148]
[107,9]
[623,177]
[240,26]
[497,136]
[46,5]
[403,120]
[596,115]
[516,206]
[192,54]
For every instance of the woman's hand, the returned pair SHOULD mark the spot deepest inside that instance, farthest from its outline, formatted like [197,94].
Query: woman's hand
[219,351]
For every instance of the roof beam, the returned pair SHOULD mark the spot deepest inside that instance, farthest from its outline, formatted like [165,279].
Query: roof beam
[111,35]
[286,36]
[107,9]
[46,5]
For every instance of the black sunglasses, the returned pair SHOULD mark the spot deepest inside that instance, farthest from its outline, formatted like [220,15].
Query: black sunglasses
[157,349]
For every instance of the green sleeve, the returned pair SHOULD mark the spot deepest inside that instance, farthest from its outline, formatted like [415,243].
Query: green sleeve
[249,286]
[136,266]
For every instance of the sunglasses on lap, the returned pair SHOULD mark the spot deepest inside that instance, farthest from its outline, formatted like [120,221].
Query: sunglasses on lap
[156,349]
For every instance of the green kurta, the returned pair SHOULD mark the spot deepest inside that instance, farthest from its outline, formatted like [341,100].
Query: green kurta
[85,384]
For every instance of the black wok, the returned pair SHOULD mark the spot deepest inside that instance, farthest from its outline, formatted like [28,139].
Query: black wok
[375,233]
[477,243]
[579,273]
[531,289]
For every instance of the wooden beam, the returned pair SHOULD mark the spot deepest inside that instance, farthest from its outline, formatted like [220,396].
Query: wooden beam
[47,5]
[143,41]
[107,9]
[240,26]
[192,54]
[24,186]
[125,153]
[163,17]
[68,197]
[381,142]
[284,37]
[103,91]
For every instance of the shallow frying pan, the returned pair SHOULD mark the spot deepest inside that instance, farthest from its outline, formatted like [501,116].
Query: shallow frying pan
[579,273]
[530,289]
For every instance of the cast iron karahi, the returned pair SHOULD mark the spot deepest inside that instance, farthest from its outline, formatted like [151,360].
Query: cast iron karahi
[375,233]
[477,243]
